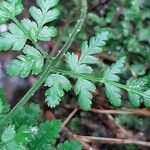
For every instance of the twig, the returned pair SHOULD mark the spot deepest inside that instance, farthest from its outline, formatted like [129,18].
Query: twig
[113,140]
[71,135]
[122,112]
[69,118]
[143,112]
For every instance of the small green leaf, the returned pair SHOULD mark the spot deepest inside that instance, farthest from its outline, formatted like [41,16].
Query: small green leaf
[111,73]
[22,66]
[36,57]
[57,84]
[14,146]
[51,15]
[10,8]
[30,116]
[45,5]
[42,15]
[147,98]
[23,135]
[113,93]
[15,39]
[95,18]
[84,88]
[41,18]
[134,99]
[144,34]
[70,145]
[8,134]
[81,65]
[45,13]
[72,61]
[139,85]
[46,136]
[47,33]
[31,27]
[138,68]
[95,44]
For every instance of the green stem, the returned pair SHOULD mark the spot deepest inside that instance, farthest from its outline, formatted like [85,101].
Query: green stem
[77,29]
[48,69]
[77,75]
[93,78]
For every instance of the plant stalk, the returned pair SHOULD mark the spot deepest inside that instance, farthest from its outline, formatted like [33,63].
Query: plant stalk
[95,79]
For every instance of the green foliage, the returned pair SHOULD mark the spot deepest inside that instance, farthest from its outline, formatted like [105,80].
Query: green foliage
[113,93]
[15,39]
[134,87]
[46,136]
[31,62]
[110,74]
[94,18]
[8,134]
[43,14]
[132,121]
[139,85]
[138,68]
[31,138]
[28,131]
[38,138]
[9,9]
[83,88]
[4,106]
[81,65]
[69,145]
[57,84]
[30,115]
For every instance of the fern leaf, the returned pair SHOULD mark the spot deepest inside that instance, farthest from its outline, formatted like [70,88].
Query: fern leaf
[84,88]
[45,5]
[14,8]
[46,136]
[8,134]
[57,84]
[42,14]
[113,93]
[147,98]
[30,116]
[111,73]
[138,85]
[15,39]
[32,61]
[95,44]
[81,65]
